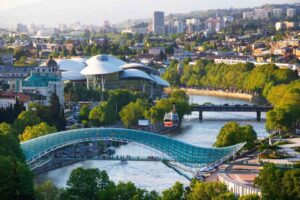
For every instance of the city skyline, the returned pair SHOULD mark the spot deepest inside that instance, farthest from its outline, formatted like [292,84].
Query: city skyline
[26,11]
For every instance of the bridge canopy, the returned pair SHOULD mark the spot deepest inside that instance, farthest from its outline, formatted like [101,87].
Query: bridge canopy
[174,150]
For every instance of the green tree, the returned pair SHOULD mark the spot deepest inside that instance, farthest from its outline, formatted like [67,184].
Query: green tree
[232,133]
[38,130]
[206,191]
[47,190]
[131,113]
[269,181]
[15,179]
[56,113]
[101,115]
[84,112]
[26,118]
[249,197]
[9,145]
[86,184]
[176,192]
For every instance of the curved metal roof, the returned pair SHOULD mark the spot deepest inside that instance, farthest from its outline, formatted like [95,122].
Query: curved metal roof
[140,66]
[160,81]
[135,73]
[72,76]
[70,65]
[180,152]
[102,64]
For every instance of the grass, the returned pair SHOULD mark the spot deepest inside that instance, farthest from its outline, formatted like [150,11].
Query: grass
[278,143]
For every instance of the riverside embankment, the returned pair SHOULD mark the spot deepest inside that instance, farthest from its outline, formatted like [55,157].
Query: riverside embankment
[216,93]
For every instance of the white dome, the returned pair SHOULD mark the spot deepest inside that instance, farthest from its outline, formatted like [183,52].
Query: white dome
[102,64]
[70,65]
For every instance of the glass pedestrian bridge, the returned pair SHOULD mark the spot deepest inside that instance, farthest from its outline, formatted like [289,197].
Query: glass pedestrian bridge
[172,150]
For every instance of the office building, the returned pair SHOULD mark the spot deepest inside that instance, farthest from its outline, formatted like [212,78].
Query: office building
[193,25]
[159,23]
[291,12]
[277,12]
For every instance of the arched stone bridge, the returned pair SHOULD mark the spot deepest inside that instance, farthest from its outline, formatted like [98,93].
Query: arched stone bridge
[173,150]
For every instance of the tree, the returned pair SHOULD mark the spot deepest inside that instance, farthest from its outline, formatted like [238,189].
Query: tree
[269,181]
[102,114]
[131,113]
[232,133]
[41,129]
[87,183]
[84,112]
[249,197]
[56,113]
[9,145]
[26,118]
[47,190]
[15,179]
[209,190]
[176,192]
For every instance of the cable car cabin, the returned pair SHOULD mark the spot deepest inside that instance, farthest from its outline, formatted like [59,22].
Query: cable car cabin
[171,120]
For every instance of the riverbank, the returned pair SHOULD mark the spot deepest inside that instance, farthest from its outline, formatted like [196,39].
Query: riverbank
[216,93]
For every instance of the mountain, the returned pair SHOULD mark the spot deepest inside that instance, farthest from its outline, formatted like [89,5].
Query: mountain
[54,12]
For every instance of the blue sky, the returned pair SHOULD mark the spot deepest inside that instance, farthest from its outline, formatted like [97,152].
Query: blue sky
[96,11]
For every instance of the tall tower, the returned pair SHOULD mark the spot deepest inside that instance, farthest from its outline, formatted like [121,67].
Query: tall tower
[159,23]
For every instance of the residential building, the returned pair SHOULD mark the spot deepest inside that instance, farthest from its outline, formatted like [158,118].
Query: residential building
[277,12]
[159,23]
[291,12]
[261,13]
[141,28]
[21,28]
[284,25]
[2,43]
[215,24]
[179,25]
[193,25]
[43,82]
[6,58]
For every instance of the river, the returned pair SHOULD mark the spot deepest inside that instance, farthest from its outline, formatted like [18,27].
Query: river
[155,175]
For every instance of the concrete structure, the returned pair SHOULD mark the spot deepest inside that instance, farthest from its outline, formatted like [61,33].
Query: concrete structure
[284,25]
[215,24]
[179,25]
[42,83]
[277,12]
[141,28]
[230,108]
[236,187]
[193,25]
[6,58]
[159,23]
[291,12]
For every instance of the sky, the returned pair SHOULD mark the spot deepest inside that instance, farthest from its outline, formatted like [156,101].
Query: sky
[54,12]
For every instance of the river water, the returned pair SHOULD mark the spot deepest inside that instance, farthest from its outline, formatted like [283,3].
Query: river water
[155,175]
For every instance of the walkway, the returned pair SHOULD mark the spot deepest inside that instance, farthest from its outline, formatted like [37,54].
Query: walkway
[182,153]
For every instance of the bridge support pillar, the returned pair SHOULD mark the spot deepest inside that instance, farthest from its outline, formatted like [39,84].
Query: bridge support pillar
[200,115]
[258,116]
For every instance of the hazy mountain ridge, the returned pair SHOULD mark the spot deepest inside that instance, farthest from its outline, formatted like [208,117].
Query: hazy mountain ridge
[95,12]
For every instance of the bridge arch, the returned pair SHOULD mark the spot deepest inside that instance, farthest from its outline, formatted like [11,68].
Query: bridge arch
[179,152]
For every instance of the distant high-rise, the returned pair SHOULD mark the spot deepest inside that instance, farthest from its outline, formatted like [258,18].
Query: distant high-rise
[277,12]
[159,23]
[291,12]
